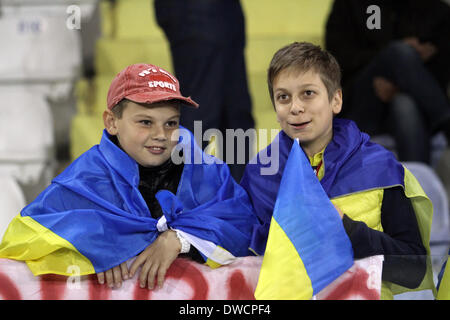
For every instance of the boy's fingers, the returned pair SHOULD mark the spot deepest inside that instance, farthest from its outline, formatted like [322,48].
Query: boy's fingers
[142,258]
[151,276]
[144,273]
[124,269]
[117,275]
[101,277]
[136,264]
[161,275]
[109,278]
[113,276]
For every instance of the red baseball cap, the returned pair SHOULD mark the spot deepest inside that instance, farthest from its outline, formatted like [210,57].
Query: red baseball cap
[145,83]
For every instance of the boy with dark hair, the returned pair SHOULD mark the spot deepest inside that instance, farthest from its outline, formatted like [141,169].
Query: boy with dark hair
[382,207]
[126,198]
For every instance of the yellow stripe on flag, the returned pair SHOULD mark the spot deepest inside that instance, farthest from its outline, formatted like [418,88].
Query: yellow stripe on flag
[281,259]
[43,250]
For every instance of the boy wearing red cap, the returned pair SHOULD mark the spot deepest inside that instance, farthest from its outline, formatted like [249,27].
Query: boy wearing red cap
[142,117]
[126,198]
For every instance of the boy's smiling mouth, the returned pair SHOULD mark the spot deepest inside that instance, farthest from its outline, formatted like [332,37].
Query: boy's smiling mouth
[156,149]
[299,125]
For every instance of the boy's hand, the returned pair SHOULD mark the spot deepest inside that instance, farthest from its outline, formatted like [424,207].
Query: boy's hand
[156,259]
[425,49]
[385,90]
[114,276]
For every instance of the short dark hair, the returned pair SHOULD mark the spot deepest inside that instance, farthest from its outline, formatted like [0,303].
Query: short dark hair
[118,109]
[304,56]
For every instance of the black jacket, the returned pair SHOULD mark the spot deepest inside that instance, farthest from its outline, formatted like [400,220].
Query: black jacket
[400,242]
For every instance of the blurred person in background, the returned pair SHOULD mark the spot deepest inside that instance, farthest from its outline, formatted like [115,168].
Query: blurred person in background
[207,41]
[395,63]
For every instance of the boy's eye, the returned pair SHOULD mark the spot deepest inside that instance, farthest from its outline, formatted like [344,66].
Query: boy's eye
[172,123]
[309,93]
[282,97]
[145,122]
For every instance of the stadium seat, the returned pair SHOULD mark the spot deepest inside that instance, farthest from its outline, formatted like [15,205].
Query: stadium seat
[86,131]
[91,95]
[26,135]
[438,145]
[44,47]
[135,19]
[130,35]
[112,55]
[304,17]
[12,201]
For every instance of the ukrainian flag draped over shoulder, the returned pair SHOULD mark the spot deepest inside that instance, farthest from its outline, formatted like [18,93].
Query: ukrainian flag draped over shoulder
[93,215]
[306,240]
[352,164]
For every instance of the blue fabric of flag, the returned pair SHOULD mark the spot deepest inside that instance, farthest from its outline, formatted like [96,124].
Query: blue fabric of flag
[95,204]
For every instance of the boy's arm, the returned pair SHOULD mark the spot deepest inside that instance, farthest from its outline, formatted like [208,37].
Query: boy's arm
[400,243]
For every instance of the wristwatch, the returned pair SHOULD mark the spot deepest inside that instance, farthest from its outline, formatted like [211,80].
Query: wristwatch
[185,245]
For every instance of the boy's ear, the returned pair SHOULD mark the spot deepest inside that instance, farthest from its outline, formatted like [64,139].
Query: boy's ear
[109,120]
[336,103]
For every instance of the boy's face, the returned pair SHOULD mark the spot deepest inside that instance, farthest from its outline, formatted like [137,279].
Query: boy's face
[146,133]
[303,108]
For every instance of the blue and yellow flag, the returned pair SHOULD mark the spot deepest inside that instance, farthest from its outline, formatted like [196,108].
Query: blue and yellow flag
[94,217]
[307,246]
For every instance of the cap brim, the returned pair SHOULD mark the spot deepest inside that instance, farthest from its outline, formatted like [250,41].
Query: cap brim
[146,97]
